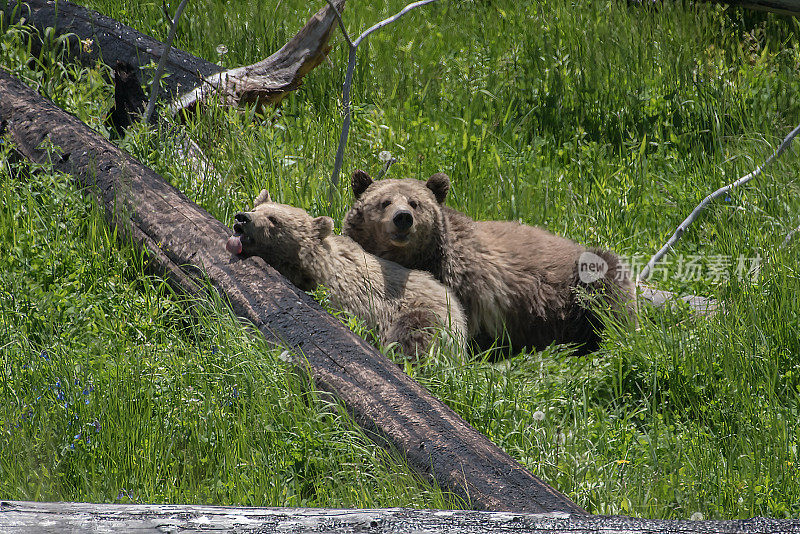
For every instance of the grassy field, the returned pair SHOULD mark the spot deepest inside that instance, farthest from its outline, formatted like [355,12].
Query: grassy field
[602,121]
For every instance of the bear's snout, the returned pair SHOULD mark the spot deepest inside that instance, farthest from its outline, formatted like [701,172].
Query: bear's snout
[403,219]
[241,219]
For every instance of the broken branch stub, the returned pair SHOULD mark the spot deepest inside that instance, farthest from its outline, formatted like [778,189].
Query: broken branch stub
[268,81]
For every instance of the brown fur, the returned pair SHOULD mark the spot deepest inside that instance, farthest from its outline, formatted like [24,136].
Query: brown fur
[404,306]
[519,284]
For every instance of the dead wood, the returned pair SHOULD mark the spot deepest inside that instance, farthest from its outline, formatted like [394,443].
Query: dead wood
[97,37]
[659,298]
[782,7]
[31,517]
[187,244]
[268,81]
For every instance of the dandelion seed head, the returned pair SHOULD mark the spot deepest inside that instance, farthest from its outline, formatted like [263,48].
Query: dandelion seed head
[697,516]
[222,49]
[538,415]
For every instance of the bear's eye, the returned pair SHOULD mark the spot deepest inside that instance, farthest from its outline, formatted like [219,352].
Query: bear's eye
[385,204]
[272,219]
[413,204]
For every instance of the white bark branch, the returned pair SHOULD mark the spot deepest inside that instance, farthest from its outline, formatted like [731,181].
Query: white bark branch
[155,86]
[348,82]
[706,201]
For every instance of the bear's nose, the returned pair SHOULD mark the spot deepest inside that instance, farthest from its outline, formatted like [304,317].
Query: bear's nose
[240,218]
[403,220]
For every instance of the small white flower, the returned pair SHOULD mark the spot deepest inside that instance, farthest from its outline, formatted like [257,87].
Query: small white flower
[697,516]
[385,156]
[538,415]
[222,49]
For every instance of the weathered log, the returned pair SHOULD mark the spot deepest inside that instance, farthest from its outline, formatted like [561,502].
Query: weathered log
[782,7]
[266,82]
[23,517]
[659,298]
[98,37]
[188,244]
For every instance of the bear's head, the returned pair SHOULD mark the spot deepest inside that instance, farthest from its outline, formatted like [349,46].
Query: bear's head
[282,235]
[397,219]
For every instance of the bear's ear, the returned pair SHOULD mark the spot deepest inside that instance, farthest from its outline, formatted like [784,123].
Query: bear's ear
[262,197]
[360,182]
[323,226]
[439,183]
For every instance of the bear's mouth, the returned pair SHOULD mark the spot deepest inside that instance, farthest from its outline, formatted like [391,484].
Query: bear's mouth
[399,238]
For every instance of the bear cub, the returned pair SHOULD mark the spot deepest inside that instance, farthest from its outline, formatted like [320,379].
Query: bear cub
[403,306]
[521,286]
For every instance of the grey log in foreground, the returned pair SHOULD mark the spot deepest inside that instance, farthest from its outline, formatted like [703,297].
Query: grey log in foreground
[187,244]
[24,517]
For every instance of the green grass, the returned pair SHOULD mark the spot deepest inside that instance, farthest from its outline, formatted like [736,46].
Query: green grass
[606,123]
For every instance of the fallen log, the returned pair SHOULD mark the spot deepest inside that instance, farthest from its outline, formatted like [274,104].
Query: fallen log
[33,517]
[187,244]
[97,37]
[659,298]
[781,7]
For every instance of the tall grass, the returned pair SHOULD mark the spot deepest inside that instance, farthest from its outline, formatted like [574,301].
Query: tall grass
[604,122]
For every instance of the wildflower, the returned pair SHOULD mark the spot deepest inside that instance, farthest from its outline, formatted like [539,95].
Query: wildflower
[697,516]
[727,198]
[385,156]
[44,355]
[222,49]
[538,415]
[623,462]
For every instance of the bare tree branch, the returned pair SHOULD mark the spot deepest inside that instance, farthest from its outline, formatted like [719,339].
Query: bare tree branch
[789,236]
[156,83]
[348,82]
[393,18]
[341,24]
[706,201]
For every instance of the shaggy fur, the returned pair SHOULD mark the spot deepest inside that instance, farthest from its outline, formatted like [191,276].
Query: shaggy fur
[404,306]
[518,284]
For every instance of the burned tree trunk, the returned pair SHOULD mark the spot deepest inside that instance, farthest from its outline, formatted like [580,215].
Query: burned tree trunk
[99,37]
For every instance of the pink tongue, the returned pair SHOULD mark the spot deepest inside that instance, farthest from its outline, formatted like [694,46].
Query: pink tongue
[234,245]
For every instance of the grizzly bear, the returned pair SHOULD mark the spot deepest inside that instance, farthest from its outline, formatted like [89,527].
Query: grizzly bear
[404,306]
[521,286]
